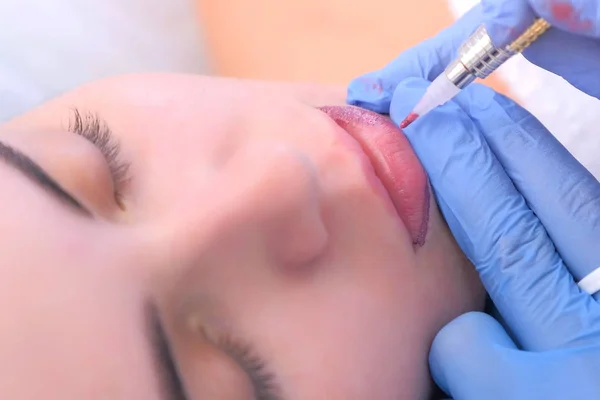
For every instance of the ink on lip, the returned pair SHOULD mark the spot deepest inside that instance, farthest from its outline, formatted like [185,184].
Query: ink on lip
[412,117]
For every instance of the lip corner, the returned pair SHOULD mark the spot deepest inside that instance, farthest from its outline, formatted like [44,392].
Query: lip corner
[420,237]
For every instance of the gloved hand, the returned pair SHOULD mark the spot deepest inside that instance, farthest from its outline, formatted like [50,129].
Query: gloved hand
[527,215]
[570,49]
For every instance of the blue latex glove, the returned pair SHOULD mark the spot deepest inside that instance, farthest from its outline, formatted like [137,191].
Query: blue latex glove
[527,215]
[571,50]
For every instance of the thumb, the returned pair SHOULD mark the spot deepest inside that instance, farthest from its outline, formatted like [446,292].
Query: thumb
[468,358]
[506,20]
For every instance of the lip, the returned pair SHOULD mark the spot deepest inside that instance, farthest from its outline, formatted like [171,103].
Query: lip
[394,161]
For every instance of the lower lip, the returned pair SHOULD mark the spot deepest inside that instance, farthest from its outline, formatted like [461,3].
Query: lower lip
[394,162]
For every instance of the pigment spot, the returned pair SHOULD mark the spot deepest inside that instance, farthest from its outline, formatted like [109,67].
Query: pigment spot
[563,12]
[377,87]
[566,14]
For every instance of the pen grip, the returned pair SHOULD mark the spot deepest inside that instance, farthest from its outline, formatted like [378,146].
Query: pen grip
[529,36]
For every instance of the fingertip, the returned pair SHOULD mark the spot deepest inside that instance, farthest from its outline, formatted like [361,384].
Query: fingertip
[462,334]
[407,94]
[436,135]
[368,91]
[463,348]
[477,99]
[447,143]
[450,350]
[448,117]
[495,114]
[506,20]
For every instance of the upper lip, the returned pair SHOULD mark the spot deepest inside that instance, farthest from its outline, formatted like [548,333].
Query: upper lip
[394,162]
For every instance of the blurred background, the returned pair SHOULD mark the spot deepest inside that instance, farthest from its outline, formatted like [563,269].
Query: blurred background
[50,46]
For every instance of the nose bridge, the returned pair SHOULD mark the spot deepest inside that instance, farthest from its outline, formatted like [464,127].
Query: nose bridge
[271,193]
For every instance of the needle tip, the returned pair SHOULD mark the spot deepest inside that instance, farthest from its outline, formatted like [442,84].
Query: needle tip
[409,120]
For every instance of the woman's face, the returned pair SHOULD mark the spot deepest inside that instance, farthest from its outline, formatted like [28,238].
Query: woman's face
[267,246]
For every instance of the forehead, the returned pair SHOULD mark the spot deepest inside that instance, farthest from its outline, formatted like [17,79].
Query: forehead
[193,91]
[148,100]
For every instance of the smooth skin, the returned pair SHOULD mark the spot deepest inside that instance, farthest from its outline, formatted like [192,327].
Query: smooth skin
[248,215]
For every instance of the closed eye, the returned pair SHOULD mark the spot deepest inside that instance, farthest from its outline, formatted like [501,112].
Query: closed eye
[263,381]
[97,132]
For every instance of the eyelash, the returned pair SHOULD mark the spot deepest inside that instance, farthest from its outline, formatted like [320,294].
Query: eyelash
[92,128]
[262,380]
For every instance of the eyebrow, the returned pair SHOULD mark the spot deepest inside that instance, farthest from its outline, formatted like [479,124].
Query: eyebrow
[171,382]
[30,169]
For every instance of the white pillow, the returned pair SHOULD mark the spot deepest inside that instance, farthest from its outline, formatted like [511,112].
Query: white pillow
[48,47]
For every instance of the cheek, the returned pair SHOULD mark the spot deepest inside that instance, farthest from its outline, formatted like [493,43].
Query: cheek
[449,280]
[36,229]
[60,290]
[64,331]
[341,339]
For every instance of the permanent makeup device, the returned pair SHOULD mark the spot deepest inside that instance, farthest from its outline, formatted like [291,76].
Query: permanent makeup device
[477,58]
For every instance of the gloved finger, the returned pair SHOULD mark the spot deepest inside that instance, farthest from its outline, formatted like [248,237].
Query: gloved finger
[556,50]
[427,60]
[506,20]
[492,223]
[464,358]
[573,57]
[577,16]
[560,191]
[474,358]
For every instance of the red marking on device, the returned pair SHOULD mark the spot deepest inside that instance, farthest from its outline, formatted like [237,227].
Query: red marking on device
[409,120]
[562,11]
[567,15]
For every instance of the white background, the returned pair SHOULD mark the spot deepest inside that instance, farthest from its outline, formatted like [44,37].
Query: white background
[50,46]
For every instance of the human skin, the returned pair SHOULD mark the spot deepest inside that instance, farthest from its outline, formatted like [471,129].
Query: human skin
[248,217]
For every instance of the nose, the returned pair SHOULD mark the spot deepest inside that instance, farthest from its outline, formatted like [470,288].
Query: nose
[266,198]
